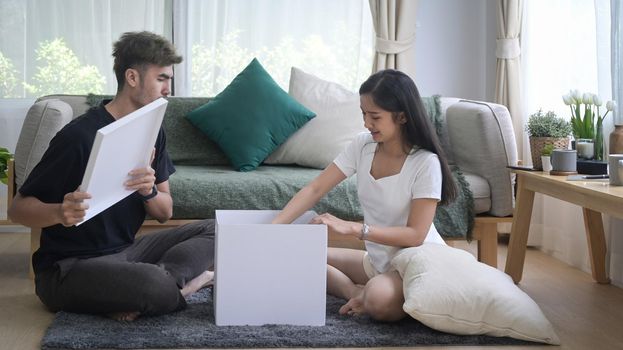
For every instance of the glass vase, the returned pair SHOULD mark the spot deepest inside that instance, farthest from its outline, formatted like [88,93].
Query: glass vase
[599,143]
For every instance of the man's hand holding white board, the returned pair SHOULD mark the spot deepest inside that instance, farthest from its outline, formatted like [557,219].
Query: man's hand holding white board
[74,208]
[143,180]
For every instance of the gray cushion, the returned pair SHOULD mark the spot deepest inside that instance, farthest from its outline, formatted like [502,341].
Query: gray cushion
[481,192]
[43,121]
[483,143]
[186,144]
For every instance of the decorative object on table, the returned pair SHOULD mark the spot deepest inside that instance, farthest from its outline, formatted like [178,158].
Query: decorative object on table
[588,125]
[616,140]
[546,129]
[5,156]
[546,153]
[587,177]
[592,167]
[564,162]
[585,148]
[615,164]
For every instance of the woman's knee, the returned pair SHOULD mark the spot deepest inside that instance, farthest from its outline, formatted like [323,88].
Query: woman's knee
[383,301]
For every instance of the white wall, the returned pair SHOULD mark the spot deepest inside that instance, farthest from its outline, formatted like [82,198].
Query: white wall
[455,48]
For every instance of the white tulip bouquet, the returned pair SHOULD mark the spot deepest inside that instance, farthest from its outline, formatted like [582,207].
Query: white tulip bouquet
[589,125]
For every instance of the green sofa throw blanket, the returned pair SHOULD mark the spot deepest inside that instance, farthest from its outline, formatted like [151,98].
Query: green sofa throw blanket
[188,146]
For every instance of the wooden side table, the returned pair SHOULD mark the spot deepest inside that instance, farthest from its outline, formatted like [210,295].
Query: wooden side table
[595,198]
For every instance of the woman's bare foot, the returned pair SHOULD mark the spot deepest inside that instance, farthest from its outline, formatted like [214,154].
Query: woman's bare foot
[354,306]
[124,316]
[203,280]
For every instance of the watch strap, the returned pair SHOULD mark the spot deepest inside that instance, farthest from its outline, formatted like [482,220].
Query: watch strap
[154,192]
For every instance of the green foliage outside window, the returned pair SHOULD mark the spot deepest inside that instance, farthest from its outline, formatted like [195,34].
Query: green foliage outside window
[60,71]
[5,156]
[312,54]
[8,83]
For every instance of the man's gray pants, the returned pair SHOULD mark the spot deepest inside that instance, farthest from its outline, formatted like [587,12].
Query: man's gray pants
[145,277]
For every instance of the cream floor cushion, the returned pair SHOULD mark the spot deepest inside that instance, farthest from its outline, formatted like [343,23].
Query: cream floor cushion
[447,289]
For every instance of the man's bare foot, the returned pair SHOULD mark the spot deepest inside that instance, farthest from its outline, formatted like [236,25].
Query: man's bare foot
[354,306]
[124,316]
[205,279]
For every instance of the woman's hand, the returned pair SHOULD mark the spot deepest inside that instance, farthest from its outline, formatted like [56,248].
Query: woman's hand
[338,226]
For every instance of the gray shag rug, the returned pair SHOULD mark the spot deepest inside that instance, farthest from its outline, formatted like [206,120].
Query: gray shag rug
[194,328]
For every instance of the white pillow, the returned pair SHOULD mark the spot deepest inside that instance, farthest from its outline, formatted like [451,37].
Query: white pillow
[447,289]
[338,120]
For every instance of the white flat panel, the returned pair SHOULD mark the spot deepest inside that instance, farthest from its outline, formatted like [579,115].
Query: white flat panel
[118,148]
[269,274]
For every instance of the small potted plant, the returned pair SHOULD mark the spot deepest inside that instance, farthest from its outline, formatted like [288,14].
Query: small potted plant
[5,156]
[546,129]
[546,154]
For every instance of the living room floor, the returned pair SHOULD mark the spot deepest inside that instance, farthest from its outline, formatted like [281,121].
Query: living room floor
[584,314]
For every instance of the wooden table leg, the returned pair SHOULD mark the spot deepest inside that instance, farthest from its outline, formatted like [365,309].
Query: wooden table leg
[596,244]
[519,232]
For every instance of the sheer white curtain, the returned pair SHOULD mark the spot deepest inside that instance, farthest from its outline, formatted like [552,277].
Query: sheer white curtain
[566,45]
[218,38]
[86,30]
[64,46]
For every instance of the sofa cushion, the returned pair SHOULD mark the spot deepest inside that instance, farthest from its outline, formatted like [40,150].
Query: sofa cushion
[448,290]
[44,119]
[251,117]
[481,192]
[338,120]
[199,190]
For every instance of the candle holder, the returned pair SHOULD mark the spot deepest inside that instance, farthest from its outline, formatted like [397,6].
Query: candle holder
[585,148]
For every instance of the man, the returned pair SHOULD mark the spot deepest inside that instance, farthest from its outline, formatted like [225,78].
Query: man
[98,267]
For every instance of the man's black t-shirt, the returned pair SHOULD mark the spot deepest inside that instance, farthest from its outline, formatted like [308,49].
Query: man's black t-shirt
[60,171]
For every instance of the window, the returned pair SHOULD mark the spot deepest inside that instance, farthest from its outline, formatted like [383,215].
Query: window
[64,46]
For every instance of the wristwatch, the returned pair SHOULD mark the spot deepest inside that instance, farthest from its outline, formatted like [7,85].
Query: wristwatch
[365,231]
[154,192]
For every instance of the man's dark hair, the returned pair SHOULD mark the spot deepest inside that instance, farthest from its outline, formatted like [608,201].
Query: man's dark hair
[136,50]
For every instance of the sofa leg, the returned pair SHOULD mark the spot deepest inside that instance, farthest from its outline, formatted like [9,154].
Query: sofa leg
[488,244]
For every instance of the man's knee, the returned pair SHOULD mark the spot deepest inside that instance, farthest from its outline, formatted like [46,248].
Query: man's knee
[204,227]
[158,292]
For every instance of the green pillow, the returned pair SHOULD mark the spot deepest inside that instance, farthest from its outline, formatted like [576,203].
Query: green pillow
[250,118]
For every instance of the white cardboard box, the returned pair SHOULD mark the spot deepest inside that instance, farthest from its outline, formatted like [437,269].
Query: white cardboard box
[269,274]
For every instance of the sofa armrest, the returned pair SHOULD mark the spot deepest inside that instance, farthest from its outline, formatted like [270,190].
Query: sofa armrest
[483,143]
[44,119]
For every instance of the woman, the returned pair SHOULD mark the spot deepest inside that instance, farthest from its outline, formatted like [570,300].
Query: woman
[402,175]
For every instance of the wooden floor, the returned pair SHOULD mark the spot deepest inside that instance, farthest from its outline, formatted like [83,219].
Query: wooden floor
[585,315]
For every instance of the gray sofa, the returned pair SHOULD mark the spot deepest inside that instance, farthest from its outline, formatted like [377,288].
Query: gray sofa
[477,136]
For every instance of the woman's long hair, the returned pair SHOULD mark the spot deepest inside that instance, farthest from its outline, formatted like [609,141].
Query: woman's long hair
[395,92]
